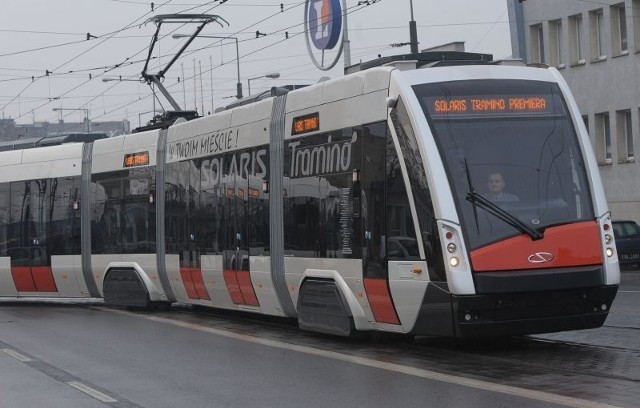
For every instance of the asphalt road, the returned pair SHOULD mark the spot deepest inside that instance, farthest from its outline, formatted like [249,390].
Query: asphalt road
[80,354]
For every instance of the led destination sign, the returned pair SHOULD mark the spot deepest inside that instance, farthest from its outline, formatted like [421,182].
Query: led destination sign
[306,124]
[136,159]
[489,105]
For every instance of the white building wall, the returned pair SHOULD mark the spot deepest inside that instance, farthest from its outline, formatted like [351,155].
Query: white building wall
[600,85]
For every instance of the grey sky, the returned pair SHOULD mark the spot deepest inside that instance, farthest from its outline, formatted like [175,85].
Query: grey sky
[58,29]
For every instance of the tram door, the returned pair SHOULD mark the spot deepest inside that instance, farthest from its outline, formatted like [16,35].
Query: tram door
[236,271]
[375,272]
[31,210]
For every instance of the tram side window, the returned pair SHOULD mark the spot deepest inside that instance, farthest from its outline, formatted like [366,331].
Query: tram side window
[106,209]
[421,193]
[176,179]
[301,209]
[322,201]
[29,223]
[374,137]
[401,237]
[210,217]
[123,214]
[193,211]
[138,211]
[258,208]
[19,220]
[64,238]
[5,201]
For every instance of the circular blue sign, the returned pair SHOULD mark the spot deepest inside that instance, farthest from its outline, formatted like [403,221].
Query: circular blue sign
[324,19]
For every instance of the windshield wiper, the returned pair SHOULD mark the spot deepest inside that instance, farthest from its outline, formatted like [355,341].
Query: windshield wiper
[498,212]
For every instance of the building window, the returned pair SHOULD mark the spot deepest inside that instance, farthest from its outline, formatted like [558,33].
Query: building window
[635,8]
[603,138]
[596,21]
[575,39]
[619,29]
[625,136]
[536,38]
[555,43]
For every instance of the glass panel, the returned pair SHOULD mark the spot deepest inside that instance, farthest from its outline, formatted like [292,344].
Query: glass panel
[5,209]
[318,185]
[629,134]
[421,192]
[515,131]
[106,234]
[401,240]
[19,245]
[65,219]
[374,137]
[622,23]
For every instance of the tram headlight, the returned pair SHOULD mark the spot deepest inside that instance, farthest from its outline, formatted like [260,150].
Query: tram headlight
[607,239]
[454,261]
[609,252]
[451,247]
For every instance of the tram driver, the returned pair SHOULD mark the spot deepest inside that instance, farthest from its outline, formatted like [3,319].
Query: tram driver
[496,189]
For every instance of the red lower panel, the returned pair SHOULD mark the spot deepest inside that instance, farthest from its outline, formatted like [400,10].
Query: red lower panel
[187,281]
[43,279]
[246,287]
[23,279]
[566,245]
[233,287]
[198,283]
[380,301]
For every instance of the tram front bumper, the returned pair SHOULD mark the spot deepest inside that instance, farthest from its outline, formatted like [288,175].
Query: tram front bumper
[531,312]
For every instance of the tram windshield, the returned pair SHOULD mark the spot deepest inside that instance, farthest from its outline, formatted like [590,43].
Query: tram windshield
[511,155]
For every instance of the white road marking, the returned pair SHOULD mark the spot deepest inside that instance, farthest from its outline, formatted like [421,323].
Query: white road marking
[416,372]
[629,291]
[17,356]
[91,392]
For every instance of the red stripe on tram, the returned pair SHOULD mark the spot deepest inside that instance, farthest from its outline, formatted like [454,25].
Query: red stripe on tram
[380,301]
[22,279]
[198,283]
[233,287]
[187,281]
[246,287]
[43,279]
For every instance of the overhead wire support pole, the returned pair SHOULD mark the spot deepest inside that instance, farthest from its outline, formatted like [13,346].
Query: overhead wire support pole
[202,19]
[413,32]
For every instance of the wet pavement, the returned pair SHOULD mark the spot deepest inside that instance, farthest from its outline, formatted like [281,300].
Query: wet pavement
[601,366]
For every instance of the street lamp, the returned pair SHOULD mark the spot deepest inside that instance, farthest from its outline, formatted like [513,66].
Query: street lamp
[86,112]
[120,79]
[239,84]
[273,75]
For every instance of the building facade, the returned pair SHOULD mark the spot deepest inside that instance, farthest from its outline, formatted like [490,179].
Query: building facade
[596,47]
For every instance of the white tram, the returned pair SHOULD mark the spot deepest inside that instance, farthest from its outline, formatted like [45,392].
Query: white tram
[356,204]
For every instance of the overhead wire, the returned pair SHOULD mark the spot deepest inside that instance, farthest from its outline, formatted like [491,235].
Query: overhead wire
[73,59]
[348,11]
[108,68]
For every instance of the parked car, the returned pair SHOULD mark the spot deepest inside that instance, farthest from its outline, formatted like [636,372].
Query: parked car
[627,235]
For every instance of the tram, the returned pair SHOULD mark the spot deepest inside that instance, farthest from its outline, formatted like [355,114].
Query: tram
[356,204]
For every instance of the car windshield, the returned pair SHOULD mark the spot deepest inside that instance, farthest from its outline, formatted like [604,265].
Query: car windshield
[626,229]
[511,155]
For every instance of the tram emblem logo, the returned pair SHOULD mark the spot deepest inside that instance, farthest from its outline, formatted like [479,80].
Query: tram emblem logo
[325,23]
[541,257]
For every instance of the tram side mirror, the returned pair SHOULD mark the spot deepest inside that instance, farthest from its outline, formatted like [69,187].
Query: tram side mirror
[391,102]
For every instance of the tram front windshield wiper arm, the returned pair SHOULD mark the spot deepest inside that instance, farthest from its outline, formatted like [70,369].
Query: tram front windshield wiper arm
[498,212]
[472,189]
